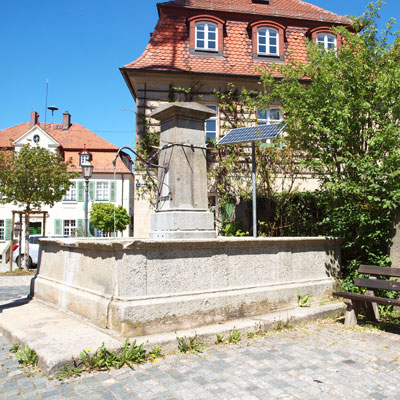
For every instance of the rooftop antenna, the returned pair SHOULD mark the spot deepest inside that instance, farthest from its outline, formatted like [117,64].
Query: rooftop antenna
[52,109]
[45,109]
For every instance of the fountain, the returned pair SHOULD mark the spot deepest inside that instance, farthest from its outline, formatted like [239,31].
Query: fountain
[182,276]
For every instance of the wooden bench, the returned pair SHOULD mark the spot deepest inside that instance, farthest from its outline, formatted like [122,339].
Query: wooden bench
[369,301]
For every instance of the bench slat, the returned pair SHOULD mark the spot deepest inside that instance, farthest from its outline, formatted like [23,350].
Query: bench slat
[373,299]
[377,284]
[375,270]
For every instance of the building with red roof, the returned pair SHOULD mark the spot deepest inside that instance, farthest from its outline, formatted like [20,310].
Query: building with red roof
[206,44]
[77,143]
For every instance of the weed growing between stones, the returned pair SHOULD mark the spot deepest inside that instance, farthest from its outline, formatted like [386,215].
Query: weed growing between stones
[303,302]
[281,325]
[220,339]
[190,345]
[234,337]
[104,359]
[67,372]
[25,355]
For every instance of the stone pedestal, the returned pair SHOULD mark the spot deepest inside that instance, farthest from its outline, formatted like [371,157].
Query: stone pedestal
[182,207]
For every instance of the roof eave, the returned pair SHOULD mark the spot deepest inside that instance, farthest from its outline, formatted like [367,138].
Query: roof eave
[216,74]
[331,21]
[124,72]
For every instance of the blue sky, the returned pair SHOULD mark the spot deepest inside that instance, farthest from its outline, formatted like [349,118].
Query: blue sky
[79,45]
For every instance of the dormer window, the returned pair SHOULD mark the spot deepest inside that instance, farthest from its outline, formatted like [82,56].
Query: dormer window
[206,36]
[268,38]
[323,37]
[327,41]
[267,41]
[84,157]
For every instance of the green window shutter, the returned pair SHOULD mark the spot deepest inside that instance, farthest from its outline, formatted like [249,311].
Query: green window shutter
[92,191]
[7,230]
[112,191]
[58,227]
[81,191]
[80,224]
[227,212]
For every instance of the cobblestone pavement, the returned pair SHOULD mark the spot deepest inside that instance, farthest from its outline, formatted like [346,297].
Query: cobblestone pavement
[14,287]
[316,361]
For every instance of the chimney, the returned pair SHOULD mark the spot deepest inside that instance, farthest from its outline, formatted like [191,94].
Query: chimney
[34,118]
[66,120]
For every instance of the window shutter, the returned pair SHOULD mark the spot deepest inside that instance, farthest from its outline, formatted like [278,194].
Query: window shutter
[112,191]
[92,191]
[7,230]
[58,227]
[80,224]
[81,191]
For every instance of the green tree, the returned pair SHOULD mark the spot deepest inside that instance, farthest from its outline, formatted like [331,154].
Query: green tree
[342,111]
[102,217]
[30,178]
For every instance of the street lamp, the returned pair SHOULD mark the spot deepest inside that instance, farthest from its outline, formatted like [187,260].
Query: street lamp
[87,171]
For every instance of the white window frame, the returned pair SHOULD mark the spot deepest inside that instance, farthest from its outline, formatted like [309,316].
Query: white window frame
[207,33]
[213,107]
[265,32]
[102,191]
[99,233]
[84,158]
[72,193]
[267,117]
[323,39]
[2,229]
[69,227]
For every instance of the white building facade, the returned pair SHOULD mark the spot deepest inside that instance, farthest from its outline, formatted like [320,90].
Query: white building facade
[108,184]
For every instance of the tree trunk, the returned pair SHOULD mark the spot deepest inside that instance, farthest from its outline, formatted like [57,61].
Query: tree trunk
[26,253]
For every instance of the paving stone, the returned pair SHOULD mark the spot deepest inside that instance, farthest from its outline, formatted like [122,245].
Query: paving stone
[317,361]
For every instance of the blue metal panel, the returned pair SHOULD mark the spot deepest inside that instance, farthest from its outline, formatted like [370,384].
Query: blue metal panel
[252,134]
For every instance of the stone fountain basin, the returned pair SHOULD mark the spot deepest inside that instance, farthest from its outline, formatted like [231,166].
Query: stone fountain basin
[139,287]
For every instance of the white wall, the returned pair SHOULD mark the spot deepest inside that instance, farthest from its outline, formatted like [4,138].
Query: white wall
[74,210]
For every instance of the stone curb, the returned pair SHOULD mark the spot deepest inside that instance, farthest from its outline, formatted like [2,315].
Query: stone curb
[57,336]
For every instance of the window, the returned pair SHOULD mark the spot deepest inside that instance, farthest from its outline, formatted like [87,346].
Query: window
[2,229]
[206,36]
[267,41]
[327,41]
[102,191]
[85,158]
[211,124]
[69,227]
[271,116]
[36,139]
[71,194]
[99,233]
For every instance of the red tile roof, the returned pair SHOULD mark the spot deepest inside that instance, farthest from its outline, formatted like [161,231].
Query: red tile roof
[169,47]
[72,141]
[280,8]
[76,137]
[102,162]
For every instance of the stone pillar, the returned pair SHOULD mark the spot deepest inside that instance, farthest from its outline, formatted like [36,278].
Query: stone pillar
[182,208]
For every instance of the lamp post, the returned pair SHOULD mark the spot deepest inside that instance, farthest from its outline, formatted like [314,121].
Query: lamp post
[87,170]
